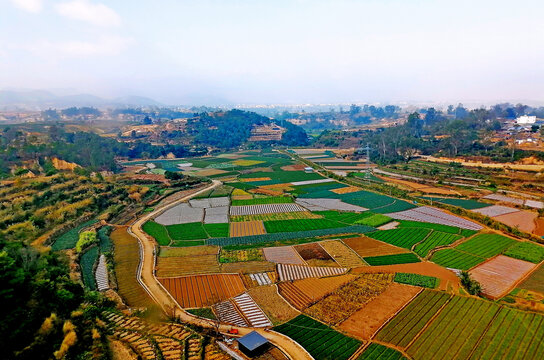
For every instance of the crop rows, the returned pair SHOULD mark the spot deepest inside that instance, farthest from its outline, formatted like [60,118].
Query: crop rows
[276,216]
[379,352]
[527,251]
[264,209]
[322,342]
[431,215]
[257,239]
[392,259]
[434,240]
[486,245]
[88,259]
[69,239]
[455,259]
[410,321]
[263,201]
[403,237]
[438,227]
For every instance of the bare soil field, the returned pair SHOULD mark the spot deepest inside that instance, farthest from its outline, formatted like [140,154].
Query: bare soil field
[248,267]
[312,251]
[296,167]
[422,187]
[447,277]
[366,321]
[523,219]
[210,172]
[539,227]
[275,307]
[498,275]
[247,228]
[184,265]
[342,254]
[189,251]
[365,246]
[203,290]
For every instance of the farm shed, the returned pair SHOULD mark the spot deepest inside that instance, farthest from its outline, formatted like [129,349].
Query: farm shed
[252,344]
[308,169]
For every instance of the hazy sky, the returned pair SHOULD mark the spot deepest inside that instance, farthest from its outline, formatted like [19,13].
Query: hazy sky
[277,51]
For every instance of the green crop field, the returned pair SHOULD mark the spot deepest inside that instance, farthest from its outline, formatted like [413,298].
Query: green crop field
[526,251]
[379,352]
[316,188]
[455,259]
[104,239]
[280,177]
[86,263]
[392,259]
[438,227]
[462,203]
[69,239]
[343,216]
[277,226]
[203,312]
[263,200]
[418,280]
[255,240]
[456,329]
[189,231]
[535,281]
[217,230]
[187,243]
[410,321]
[157,231]
[403,237]
[486,245]
[434,240]
[322,342]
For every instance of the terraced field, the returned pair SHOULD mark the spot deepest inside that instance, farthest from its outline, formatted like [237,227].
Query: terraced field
[322,342]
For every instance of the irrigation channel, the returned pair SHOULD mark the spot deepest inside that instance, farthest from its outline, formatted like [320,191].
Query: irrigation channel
[146,278]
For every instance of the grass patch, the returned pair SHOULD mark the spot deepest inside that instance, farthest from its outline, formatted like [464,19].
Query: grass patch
[203,312]
[189,231]
[217,230]
[374,220]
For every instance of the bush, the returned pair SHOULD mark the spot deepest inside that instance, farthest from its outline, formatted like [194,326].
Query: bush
[472,286]
[86,238]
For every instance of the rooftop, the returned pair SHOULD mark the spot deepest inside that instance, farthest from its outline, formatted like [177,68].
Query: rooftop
[252,341]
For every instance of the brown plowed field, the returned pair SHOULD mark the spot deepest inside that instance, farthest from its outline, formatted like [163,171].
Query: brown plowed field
[189,251]
[312,251]
[447,278]
[248,267]
[184,265]
[539,227]
[316,289]
[246,228]
[275,307]
[365,322]
[524,220]
[294,295]
[297,167]
[422,187]
[343,255]
[498,275]
[203,290]
[365,246]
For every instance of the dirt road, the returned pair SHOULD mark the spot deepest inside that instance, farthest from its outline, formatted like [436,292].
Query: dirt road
[146,277]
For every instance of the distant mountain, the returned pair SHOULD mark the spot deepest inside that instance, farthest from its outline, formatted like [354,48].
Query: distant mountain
[43,99]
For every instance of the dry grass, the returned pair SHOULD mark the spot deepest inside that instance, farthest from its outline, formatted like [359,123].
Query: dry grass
[365,246]
[343,255]
[275,307]
[317,288]
[346,190]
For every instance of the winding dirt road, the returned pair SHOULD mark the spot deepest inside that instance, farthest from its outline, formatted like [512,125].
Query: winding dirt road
[146,277]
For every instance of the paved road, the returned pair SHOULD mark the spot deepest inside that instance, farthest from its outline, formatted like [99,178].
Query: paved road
[158,293]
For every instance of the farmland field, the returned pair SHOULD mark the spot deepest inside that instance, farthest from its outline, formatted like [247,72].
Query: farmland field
[374,220]
[184,265]
[366,321]
[527,251]
[365,246]
[403,237]
[411,320]
[247,228]
[264,209]
[486,245]
[379,352]
[322,342]
[275,216]
[275,307]
[439,227]
[263,201]
[282,255]
[434,240]
[217,230]
[345,301]
[230,256]
[203,290]
[87,261]
[312,251]
[342,254]
[188,231]
[467,204]
[391,259]
[69,239]
[435,216]
[248,267]
[455,259]
[126,260]
[417,280]
[157,231]
[189,251]
[297,272]
[535,281]
[300,225]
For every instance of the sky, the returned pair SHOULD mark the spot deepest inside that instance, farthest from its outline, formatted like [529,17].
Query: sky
[282,51]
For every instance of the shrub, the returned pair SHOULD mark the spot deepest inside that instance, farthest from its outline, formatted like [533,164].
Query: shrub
[86,238]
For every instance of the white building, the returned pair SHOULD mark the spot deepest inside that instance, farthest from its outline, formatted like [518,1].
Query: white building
[526,120]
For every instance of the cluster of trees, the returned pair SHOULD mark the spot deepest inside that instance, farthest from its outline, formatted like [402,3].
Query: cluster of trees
[232,129]
[85,111]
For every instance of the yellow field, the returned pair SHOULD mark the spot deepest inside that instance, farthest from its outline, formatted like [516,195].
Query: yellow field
[346,190]
[246,228]
[256,179]
[243,162]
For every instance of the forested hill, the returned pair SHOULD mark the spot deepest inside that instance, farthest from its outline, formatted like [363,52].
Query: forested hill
[232,128]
